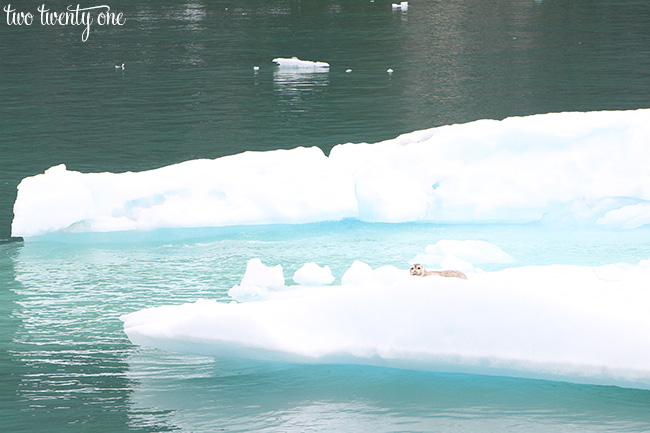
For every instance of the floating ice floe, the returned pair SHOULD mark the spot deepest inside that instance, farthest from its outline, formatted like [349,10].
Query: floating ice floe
[561,169]
[296,63]
[402,5]
[570,323]
[462,255]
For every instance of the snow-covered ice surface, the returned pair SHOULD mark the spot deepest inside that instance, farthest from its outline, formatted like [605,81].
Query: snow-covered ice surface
[575,323]
[283,186]
[310,274]
[562,169]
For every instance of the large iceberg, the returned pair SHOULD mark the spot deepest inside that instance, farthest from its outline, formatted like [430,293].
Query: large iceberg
[571,323]
[560,168]
[283,186]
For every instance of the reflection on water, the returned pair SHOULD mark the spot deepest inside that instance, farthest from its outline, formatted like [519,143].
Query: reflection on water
[295,86]
[68,359]
[200,395]
[66,350]
[194,54]
[193,12]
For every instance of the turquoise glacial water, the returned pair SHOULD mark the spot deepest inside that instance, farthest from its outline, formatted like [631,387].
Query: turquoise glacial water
[188,91]
[68,363]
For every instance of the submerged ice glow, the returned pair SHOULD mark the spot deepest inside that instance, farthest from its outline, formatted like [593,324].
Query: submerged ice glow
[564,168]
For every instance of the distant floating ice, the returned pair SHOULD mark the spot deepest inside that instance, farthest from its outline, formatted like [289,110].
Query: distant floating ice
[256,68]
[348,70]
[403,6]
[389,70]
[120,66]
[296,63]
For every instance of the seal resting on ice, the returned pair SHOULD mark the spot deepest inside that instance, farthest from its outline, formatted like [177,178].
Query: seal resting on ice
[419,271]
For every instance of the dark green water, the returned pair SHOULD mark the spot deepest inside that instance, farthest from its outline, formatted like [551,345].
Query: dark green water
[189,91]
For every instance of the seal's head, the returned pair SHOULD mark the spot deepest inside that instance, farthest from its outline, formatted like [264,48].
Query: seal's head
[418,270]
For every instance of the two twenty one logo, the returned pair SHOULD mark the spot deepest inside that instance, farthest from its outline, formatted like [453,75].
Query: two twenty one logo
[72,16]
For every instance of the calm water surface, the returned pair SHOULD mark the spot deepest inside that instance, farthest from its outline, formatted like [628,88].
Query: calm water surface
[189,91]
[67,362]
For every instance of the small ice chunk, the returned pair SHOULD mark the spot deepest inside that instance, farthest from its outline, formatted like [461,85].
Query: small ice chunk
[389,70]
[472,251]
[296,63]
[357,274]
[402,5]
[455,263]
[256,68]
[259,275]
[361,273]
[258,282]
[461,255]
[348,70]
[310,274]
